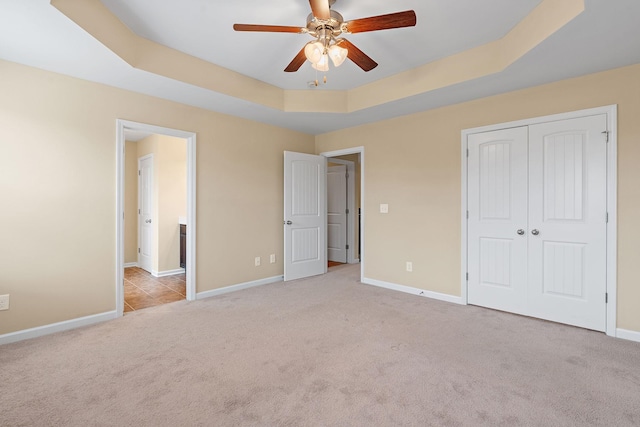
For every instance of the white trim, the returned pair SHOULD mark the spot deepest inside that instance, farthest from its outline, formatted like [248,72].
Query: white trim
[191,204]
[130,264]
[612,225]
[414,291]
[628,335]
[612,190]
[344,152]
[238,287]
[168,272]
[57,327]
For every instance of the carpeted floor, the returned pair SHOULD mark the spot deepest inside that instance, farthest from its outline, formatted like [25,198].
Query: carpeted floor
[324,351]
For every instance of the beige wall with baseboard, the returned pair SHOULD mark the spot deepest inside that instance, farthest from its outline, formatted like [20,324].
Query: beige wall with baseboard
[58,175]
[413,163]
[169,198]
[171,162]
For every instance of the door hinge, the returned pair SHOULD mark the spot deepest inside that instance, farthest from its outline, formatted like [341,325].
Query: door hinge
[607,217]
[606,133]
[467,152]
[138,211]
[467,277]
[347,247]
[346,211]
[346,175]
[606,298]
[467,214]
[139,173]
[138,250]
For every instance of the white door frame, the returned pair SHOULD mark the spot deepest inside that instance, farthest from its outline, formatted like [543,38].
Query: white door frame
[612,191]
[344,152]
[138,216]
[121,125]
[351,205]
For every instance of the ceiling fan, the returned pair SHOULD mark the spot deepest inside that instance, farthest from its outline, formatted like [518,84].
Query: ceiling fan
[326,26]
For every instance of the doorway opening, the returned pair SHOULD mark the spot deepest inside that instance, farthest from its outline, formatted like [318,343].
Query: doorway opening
[351,235]
[155,216]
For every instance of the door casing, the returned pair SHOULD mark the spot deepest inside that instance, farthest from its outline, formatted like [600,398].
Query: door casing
[352,254]
[356,150]
[611,111]
[121,125]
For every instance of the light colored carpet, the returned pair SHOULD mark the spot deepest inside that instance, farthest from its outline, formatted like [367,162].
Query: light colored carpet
[324,351]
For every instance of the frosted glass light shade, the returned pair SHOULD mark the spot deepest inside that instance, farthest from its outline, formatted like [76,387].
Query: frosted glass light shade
[337,54]
[323,64]
[314,51]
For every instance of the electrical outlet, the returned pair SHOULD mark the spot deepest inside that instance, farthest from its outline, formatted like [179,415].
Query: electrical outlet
[384,208]
[409,266]
[4,302]
[257,261]
[272,259]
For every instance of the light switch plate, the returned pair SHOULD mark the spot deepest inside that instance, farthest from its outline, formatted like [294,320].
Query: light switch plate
[384,208]
[4,302]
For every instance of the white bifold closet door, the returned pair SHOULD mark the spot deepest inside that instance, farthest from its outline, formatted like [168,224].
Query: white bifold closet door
[537,221]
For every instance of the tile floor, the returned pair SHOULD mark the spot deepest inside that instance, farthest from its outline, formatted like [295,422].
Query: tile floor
[142,290]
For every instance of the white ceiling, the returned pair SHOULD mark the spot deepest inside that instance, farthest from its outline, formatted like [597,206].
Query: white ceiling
[605,36]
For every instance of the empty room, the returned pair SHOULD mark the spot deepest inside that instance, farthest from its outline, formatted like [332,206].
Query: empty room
[387,214]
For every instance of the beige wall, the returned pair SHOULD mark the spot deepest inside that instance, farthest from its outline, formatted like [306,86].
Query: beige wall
[57,172]
[413,164]
[131,202]
[171,163]
[59,181]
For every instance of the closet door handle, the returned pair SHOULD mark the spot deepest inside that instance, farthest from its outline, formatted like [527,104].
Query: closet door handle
[535,232]
[520,232]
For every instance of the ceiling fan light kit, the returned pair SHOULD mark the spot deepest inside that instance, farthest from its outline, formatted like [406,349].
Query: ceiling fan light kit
[326,25]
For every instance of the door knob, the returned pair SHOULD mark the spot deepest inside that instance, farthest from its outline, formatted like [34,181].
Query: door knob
[148,221]
[520,232]
[288,222]
[535,232]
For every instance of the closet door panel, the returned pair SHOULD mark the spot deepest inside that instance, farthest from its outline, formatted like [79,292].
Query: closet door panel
[497,192]
[567,222]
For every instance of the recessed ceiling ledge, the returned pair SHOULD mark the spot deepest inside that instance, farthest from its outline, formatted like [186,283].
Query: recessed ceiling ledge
[547,18]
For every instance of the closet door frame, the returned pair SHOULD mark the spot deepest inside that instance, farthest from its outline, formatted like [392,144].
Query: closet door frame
[611,112]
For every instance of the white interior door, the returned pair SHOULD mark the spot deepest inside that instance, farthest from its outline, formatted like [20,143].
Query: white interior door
[537,221]
[567,221]
[305,215]
[337,213]
[497,201]
[145,213]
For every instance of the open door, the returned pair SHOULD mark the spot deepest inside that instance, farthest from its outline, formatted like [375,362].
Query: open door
[337,223]
[305,215]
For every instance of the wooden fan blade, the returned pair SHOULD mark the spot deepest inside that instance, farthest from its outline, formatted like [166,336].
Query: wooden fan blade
[357,56]
[320,9]
[267,28]
[383,22]
[297,62]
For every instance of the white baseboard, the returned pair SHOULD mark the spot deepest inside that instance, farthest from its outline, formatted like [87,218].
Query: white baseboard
[628,335]
[414,291]
[238,287]
[168,272]
[130,264]
[56,327]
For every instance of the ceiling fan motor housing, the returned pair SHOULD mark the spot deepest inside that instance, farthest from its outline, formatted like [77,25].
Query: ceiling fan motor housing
[334,24]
